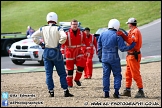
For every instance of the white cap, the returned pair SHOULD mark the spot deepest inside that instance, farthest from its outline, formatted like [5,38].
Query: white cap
[131,20]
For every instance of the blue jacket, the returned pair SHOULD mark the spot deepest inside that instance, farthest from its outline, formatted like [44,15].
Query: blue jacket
[30,32]
[109,43]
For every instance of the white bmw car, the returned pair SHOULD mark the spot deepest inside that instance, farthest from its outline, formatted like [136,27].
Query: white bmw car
[24,50]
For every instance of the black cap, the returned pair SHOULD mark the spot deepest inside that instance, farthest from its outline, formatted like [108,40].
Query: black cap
[87,28]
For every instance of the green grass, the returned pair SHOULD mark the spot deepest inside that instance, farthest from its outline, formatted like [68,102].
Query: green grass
[17,15]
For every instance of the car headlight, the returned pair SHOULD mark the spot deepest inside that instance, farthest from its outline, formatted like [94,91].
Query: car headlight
[35,47]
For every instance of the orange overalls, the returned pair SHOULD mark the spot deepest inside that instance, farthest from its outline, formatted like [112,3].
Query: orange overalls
[133,64]
[90,43]
[74,54]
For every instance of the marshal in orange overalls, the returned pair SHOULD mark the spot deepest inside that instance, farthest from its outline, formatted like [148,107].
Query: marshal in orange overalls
[90,43]
[133,64]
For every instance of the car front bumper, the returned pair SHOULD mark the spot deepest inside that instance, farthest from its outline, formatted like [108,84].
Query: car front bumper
[31,55]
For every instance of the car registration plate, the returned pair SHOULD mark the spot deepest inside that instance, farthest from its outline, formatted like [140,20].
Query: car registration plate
[21,54]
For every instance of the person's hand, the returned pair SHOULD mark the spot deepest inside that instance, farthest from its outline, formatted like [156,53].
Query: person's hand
[99,57]
[42,45]
[83,49]
[100,60]
[120,33]
[87,54]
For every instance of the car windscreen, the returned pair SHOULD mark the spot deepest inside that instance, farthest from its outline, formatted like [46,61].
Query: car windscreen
[99,31]
[66,28]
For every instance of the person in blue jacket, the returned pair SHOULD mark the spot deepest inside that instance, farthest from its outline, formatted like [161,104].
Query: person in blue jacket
[108,44]
[29,31]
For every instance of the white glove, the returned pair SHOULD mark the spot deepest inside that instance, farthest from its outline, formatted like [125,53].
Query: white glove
[28,36]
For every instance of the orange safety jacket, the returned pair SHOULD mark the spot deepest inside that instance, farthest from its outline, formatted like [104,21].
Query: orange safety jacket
[136,36]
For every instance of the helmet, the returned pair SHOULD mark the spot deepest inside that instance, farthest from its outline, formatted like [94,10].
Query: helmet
[52,16]
[131,20]
[114,24]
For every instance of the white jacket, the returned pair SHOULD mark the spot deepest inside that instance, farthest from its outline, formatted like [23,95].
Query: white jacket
[51,36]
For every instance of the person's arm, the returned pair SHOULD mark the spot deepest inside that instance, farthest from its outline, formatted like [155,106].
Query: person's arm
[126,38]
[122,46]
[99,48]
[83,48]
[36,36]
[63,50]
[95,43]
[63,36]
[32,31]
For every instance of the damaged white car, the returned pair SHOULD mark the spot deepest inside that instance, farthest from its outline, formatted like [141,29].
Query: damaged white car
[24,50]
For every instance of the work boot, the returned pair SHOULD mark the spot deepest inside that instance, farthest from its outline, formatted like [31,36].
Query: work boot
[51,92]
[89,77]
[70,86]
[67,94]
[140,94]
[116,94]
[106,95]
[78,83]
[126,93]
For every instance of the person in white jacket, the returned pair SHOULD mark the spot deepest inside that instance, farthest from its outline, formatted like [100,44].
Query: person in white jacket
[53,36]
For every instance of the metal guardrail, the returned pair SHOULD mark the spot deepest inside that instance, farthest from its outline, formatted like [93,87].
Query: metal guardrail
[11,33]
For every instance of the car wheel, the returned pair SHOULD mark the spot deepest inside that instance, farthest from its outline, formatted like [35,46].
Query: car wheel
[18,62]
[41,62]
[7,45]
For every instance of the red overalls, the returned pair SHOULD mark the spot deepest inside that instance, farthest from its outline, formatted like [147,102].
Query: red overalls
[90,43]
[74,54]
